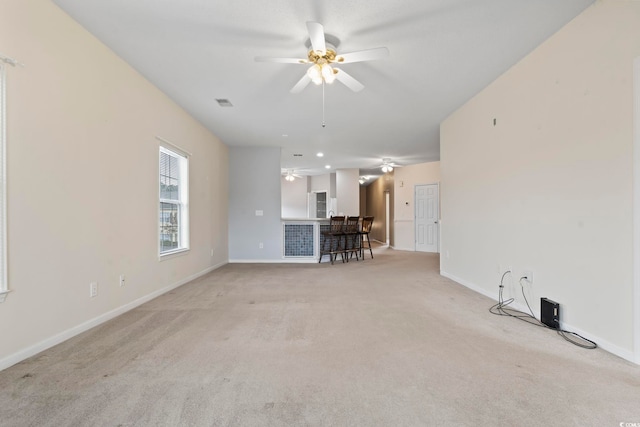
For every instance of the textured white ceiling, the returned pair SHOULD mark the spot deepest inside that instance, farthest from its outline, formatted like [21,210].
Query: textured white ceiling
[442,52]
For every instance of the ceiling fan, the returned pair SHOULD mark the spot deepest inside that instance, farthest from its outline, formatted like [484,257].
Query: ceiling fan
[323,56]
[289,175]
[388,166]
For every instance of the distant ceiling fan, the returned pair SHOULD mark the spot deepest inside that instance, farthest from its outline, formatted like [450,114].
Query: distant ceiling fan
[388,166]
[289,175]
[323,56]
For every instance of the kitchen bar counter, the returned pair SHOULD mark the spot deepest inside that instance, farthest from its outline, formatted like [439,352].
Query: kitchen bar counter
[301,238]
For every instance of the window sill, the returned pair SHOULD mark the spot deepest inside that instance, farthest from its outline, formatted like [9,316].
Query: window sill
[173,254]
[3,295]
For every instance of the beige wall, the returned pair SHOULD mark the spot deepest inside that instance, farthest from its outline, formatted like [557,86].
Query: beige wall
[83,186]
[405,181]
[363,200]
[549,187]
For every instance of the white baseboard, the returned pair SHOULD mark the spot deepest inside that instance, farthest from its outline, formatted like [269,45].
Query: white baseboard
[85,326]
[273,261]
[602,343]
[398,248]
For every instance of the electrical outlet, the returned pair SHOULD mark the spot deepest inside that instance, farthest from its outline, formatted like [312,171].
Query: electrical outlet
[93,289]
[528,276]
[211,252]
[122,280]
[260,245]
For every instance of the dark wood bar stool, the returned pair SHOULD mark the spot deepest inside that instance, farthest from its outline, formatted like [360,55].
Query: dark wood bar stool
[331,239]
[365,229]
[351,242]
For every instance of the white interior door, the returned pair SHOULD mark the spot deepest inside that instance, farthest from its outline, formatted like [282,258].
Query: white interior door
[427,209]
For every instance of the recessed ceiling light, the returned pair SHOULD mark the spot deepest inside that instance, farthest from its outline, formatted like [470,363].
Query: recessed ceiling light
[320,154]
[327,167]
[284,135]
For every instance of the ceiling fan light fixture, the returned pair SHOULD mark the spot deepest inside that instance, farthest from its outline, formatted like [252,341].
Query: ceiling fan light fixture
[289,178]
[315,74]
[328,73]
[387,168]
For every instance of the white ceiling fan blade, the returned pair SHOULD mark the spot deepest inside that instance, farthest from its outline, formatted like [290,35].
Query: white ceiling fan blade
[363,55]
[348,81]
[281,60]
[302,83]
[316,35]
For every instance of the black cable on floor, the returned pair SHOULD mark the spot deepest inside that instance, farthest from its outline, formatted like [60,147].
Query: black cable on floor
[502,309]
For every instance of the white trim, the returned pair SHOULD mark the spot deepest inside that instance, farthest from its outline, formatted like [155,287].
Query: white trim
[174,147]
[398,248]
[76,330]
[602,343]
[11,61]
[173,254]
[274,261]
[4,277]
[636,210]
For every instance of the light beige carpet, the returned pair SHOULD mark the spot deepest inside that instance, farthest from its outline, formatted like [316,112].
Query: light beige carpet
[382,342]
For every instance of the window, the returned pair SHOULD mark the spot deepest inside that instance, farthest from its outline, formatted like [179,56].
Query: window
[173,214]
[4,288]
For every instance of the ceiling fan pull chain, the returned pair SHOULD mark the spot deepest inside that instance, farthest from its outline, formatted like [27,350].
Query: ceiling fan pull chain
[323,122]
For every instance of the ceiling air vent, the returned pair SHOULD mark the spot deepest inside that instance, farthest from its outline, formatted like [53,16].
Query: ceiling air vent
[224,102]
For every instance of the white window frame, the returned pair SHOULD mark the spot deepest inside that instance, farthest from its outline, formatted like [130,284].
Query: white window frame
[4,285]
[182,203]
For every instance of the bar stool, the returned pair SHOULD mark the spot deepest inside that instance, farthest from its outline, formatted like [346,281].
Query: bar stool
[351,237]
[330,243]
[367,222]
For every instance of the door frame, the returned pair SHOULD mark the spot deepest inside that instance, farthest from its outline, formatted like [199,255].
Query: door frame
[387,219]
[415,231]
[636,210]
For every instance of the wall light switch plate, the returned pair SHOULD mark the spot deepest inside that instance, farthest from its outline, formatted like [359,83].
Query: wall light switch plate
[259,213]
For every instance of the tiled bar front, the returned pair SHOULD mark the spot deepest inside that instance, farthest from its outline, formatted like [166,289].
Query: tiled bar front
[301,238]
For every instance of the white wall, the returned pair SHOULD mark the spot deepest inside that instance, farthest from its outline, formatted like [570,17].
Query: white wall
[348,191]
[320,183]
[294,197]
[406,179]
[549,187]
[254,185]
[83,183]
